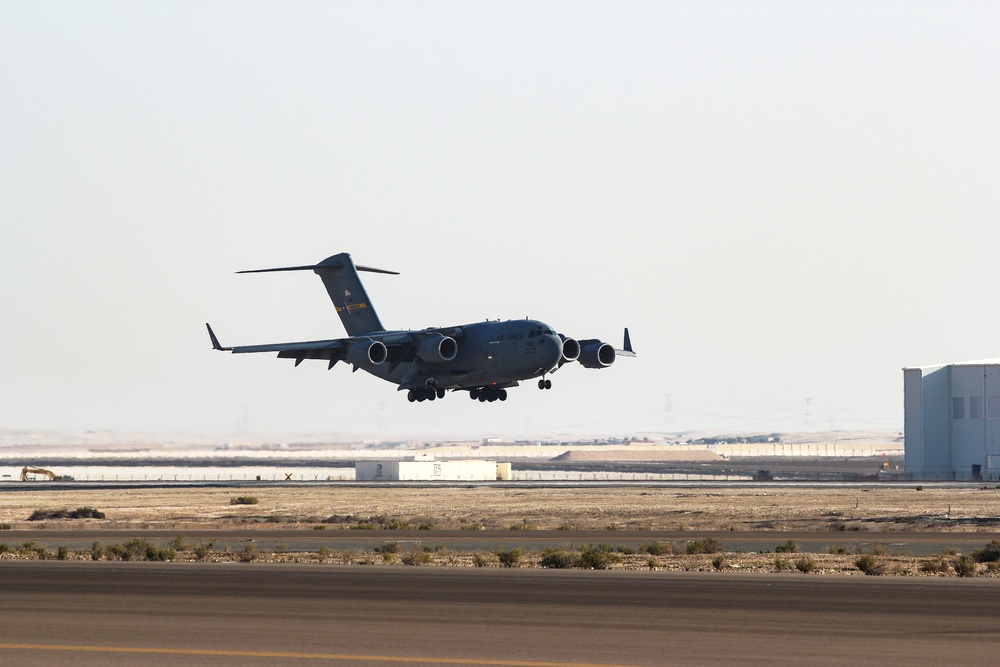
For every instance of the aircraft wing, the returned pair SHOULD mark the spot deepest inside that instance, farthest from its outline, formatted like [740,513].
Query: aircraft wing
[399,346]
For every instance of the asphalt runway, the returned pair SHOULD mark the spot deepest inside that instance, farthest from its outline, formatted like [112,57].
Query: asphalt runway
[104,613]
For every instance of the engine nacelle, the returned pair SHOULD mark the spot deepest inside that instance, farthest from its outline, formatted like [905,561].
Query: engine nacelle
[570,350]
[366,354]
[437,349]
[596,354]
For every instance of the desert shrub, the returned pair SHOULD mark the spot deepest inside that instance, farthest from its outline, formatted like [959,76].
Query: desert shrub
[805,564]
[202,550]
[523,524]
[136,549]
[869,565]
[62,552]
[599,557]
[558,558]
[417,558]
[782,563]
[348,557]
[509,557]
[248,554]
[719,562]
[656,548]
[427,525]
[396,524]
[33,549]
[244,500]
[86,513]
[938,565]
[155,553]
[96,551]
[480,559]
[651,563]
[78,513]
[4,526]
[365,525]
[709,545]
[387,557]
[178,543]
[989,553]
[320,526]
[472,526]
[789,547]
[5,548]
[920,487]
[390,547]
[878,549]
[625,549]
[565,526]
[324,552]
[836,549]
[612,526]
[965,566]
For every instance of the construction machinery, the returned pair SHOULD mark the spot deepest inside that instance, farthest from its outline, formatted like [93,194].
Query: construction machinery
[28,470]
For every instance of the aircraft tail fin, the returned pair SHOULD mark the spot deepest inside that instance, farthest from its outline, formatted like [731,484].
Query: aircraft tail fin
[340,277]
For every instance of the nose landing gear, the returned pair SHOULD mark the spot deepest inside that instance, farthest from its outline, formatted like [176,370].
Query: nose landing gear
[545,384]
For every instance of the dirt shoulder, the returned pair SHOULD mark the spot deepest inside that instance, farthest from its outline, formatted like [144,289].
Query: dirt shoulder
[767,509]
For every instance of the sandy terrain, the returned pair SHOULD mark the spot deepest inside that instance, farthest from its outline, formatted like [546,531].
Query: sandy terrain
[885,508]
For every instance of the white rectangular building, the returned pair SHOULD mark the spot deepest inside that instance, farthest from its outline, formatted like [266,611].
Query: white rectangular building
[430,470]
[952,421]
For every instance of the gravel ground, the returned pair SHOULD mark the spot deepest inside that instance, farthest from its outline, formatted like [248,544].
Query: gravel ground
[876,508]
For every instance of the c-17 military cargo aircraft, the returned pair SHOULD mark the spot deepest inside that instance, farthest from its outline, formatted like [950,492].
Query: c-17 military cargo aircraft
[484,358]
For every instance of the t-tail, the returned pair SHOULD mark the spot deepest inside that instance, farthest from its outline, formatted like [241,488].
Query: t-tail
[340,276]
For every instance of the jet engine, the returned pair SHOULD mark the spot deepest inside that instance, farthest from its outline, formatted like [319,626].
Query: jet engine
[570,350]
[437,349]
[596,354]
[367,353]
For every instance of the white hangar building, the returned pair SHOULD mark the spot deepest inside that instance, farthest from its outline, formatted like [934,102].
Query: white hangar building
[952,421]
[429,470]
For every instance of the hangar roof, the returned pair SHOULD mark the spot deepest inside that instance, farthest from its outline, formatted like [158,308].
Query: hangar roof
[981,362]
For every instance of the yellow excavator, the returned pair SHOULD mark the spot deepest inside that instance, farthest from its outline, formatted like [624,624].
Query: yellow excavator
[28,470]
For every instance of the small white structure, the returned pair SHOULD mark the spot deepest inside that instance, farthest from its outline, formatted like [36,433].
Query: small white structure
[952,421]
[428,470]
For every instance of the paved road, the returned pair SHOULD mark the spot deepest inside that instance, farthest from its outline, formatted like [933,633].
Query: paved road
[55,612]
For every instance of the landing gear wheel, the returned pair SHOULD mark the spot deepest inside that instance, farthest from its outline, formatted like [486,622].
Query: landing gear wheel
[541,384]
[548,384]
[503,394]
[411,396]
[440,392]
[473,394]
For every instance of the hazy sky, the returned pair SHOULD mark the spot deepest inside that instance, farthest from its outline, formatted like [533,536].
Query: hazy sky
[781,200]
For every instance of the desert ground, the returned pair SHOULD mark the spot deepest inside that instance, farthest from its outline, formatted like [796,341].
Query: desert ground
[880,511]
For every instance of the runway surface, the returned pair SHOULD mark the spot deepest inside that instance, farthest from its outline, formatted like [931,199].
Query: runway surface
[104,613]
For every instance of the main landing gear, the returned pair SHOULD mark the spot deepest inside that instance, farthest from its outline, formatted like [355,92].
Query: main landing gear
[545,384]
[484,394]
[421,394]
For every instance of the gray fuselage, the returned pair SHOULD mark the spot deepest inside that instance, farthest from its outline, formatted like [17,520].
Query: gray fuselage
[497,354]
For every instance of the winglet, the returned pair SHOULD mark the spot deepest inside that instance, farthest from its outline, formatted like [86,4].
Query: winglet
[215,341]
[626,350]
